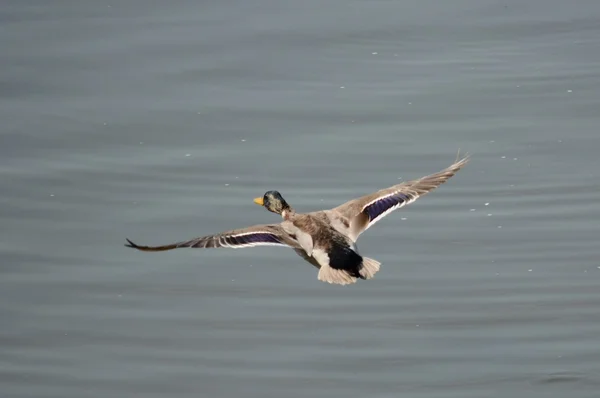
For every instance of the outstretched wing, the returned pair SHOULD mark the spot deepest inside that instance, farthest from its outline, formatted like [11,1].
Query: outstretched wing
[365,211]
[258,235]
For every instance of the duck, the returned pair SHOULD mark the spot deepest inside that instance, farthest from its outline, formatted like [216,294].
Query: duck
[326,239]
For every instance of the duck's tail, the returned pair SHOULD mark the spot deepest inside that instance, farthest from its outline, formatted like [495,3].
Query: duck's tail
[369,267]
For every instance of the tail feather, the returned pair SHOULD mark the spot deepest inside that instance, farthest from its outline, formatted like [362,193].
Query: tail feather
[369,267]
[365,269]
[335,276]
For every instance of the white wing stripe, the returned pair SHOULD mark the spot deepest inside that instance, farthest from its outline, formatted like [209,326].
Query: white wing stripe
[255,238]
[378,199]
[409,198]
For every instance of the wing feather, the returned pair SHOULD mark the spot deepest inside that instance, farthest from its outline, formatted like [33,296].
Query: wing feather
[258,235]
[365,211]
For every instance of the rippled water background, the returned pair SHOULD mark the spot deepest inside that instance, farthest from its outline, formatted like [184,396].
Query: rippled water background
[161,122]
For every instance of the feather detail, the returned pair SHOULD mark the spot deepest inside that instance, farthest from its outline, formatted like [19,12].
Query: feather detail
[260,235]
[365,211]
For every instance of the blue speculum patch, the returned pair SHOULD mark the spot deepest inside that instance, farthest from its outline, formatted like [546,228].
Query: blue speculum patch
[375,209]
[258,237]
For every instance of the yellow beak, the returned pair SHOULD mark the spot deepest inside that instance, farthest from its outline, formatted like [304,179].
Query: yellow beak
[259,201]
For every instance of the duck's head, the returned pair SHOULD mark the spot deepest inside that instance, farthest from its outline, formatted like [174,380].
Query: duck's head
[274,202]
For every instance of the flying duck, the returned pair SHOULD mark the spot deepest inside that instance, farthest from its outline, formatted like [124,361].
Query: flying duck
[325,238]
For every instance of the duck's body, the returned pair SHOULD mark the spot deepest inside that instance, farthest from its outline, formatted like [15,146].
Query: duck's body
[326,238]
[324,243]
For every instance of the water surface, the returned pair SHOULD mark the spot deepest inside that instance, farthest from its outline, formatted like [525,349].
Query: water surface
[161,122]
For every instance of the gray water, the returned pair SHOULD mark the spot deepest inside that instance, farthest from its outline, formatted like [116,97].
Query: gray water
[160,121]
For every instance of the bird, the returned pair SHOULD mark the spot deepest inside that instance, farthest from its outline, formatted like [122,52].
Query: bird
[327,238]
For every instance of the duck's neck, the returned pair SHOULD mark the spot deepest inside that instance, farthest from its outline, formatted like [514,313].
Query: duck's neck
[287,213]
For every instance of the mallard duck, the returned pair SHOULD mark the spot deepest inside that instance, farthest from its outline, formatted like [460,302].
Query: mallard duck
[326,238]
